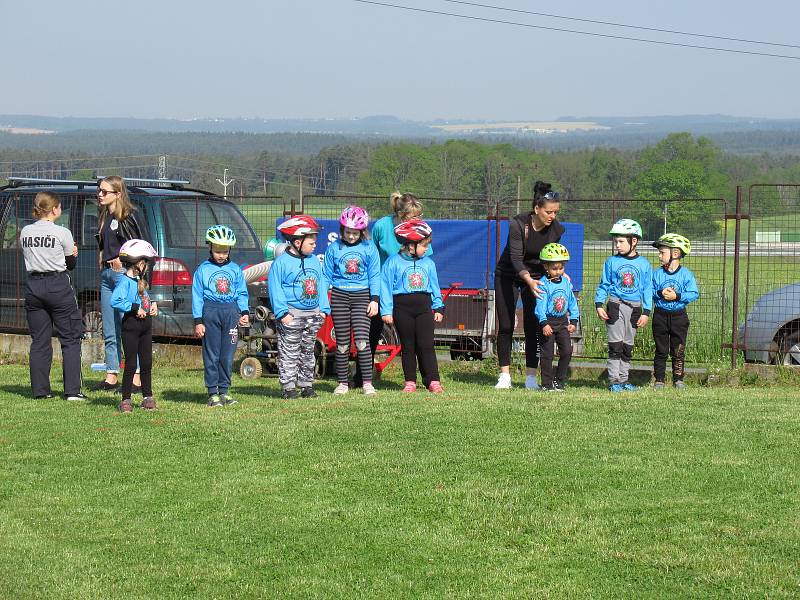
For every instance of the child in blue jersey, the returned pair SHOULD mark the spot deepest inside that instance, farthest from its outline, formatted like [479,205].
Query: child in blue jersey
[557,314]
[298,294]
[353,269]
[130,298]
[219,306]
[625,290]
[674,286]
[412,300]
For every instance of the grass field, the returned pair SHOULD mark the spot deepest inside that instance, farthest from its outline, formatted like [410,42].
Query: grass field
[475,493]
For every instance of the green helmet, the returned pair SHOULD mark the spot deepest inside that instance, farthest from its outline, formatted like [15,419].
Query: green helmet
[221,235]
[626,227]
[271,251]
[673,240]
[554,253]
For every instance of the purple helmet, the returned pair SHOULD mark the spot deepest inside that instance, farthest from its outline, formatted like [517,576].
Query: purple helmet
[354,217]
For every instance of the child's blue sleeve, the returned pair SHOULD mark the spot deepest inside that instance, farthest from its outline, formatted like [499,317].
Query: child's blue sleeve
[327,265]
[324,302]
[387,279]
[647,289]
[436,291]
[197,294]
[572,307]
[690,292]
[540,309]
[277,298]
[374,271]
[242,295]
[120,298]
[601,294]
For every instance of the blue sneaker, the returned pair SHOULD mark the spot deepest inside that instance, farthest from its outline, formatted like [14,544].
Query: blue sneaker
[616,387]
[628,387]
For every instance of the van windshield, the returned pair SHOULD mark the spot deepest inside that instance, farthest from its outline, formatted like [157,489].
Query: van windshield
[186,221]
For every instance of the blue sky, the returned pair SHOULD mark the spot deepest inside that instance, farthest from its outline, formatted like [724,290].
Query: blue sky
[339,58]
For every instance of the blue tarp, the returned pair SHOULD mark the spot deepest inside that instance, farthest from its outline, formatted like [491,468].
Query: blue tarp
[460,249]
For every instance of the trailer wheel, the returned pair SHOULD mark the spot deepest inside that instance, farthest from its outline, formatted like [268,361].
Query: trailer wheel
[250,368]
[320,360]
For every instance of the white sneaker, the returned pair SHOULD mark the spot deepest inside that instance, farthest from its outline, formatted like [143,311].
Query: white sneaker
[369,389]
[531,383]
[342,388]
[503,382]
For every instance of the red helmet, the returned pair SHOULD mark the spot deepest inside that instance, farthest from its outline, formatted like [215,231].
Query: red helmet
[298,226]
[413,230]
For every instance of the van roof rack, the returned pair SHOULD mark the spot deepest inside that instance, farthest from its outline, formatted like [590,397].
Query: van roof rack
[17,181]
[142,182]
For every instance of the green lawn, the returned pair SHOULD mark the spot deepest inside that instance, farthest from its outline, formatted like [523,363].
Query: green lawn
[475,493]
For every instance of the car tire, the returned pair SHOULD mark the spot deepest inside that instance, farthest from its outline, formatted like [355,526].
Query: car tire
[789,353]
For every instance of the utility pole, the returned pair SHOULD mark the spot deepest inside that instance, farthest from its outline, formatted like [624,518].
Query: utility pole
[519,190]
[162,166]
[225,182]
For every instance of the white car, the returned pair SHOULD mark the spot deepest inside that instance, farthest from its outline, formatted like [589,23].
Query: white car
[771,333]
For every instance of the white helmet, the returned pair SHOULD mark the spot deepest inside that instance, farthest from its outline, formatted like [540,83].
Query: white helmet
[133,251]
[626,227]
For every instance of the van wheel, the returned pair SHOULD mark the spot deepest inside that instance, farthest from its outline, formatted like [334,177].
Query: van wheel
[320,360]
[250,368]
[789,354]
[92,321]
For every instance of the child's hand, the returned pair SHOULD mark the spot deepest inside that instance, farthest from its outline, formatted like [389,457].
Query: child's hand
[601,312]
[547,331]
[372,309]
[286,319]
[153,309]
[387,319]
[200,330]
[669,294]
[244,320]
[642,321]
[571,328]
[141,314]
[438,317]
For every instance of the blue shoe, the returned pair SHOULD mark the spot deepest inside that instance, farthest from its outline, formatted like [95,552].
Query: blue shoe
[616,387]
[628,387]
[531,383]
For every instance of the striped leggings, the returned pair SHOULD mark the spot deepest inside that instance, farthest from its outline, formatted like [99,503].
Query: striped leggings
[296,359]
[349,313]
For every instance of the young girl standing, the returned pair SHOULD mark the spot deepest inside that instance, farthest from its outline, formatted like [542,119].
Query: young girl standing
[409,292]
[353,269]
[131,299]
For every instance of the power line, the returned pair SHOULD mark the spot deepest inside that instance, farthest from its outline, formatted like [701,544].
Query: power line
[578,32]
[673,31]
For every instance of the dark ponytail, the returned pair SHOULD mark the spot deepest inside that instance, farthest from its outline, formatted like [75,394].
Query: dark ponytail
[540,189]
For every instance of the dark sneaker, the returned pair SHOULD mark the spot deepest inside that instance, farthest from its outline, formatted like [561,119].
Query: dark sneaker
[215,401]
[148,403]
[290,394]
[43,397]
[559,386]
[76,397]
[227,399]
[107,387]
[125,406]
[136,389]
[307,392]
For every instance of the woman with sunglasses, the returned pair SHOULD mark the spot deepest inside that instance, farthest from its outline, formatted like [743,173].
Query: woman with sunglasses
[518,272]
[116,225]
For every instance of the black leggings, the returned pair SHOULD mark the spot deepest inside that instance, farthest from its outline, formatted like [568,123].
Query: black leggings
[137,342]
[349,314]
[669,333]
[413,320]
[507,289]
[561,339]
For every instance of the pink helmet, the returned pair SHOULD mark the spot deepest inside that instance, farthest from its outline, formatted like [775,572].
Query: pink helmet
[354,217]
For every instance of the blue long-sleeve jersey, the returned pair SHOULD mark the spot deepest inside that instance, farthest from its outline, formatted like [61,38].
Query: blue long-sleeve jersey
[558,300]
[354,268]
[297,282]
[401,274]
[682,281]
[218,283]
[126,298]
[629,279]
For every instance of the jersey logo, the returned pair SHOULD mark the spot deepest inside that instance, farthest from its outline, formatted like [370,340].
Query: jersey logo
[223,286]
[416,280]
[627,279]
[310,288]
[351,265]
[559,304]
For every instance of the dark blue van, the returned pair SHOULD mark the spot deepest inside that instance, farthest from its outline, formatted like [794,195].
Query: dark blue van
[174,219]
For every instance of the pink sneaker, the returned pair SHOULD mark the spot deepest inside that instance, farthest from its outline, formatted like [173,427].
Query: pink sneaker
[435,387]
[410,387]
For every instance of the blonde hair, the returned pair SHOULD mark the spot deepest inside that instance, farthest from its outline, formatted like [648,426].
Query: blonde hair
[123,206]
[44,203]
[405,206]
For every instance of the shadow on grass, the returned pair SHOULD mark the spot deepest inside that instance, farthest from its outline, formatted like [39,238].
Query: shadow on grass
[21,390]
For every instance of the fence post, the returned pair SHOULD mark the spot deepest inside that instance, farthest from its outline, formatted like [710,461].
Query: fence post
[736,253]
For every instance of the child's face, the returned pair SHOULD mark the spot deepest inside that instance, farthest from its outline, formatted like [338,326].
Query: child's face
[350,235]
[554,270]
[307,245]
[420,248]
[220,253]
[623,246]
[665,255]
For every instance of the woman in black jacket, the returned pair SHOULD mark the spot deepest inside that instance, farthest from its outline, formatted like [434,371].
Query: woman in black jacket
[518,272]
[116,225]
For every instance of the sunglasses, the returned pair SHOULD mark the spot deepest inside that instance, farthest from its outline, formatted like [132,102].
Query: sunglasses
[551,196]
[101,192]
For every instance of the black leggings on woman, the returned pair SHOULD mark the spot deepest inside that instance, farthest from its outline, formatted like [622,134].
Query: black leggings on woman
[137,342]
[507,289]
[413,320]
[349,314]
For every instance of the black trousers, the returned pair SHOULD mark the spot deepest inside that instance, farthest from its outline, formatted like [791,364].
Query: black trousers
[560,338]
[507,289]
[349,314]
[50,302]
[669,333]
[137,343]
[413,320]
